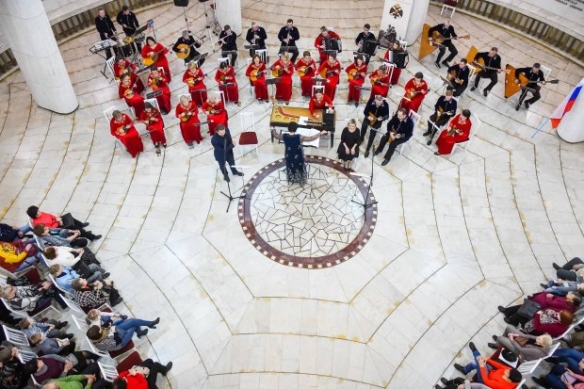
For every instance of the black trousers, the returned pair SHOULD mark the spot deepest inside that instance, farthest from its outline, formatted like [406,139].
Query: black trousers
[392,146]
[514,318]
[233,56]
[565,272]
[442,120]
[536,95]
[458,89]
[294,52]
[155,369]
[230,160]
[490,74]
[451,49]
[364,128]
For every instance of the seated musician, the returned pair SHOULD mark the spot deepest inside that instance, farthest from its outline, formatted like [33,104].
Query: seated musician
[256,72]
[157,81]
[155,54]
[194,77]
[399,130]
[256,35]
[190,126]
[379,82]
[376,111]
[122,66]
[186,46]
[444,110]
[323,42]
[415,91]
[331,70]
[361,42]
[227,40]
[318,101]
[458,131]
[356,72]
[122,127]
[533,75]
[215,111]
[447,31]
[490,68]
[154,124]
[395,51]
[284,69]
[288,36]
[306,69]
[458,76]
[129,92]
[225,77]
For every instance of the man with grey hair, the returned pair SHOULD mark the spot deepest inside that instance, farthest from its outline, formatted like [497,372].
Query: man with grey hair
[256,35]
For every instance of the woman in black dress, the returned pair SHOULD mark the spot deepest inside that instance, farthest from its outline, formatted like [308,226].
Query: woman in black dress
[349,146]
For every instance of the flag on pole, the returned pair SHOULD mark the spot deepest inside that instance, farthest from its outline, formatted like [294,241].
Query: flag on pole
[566,105]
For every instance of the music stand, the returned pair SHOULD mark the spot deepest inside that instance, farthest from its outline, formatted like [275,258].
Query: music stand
[199,57]
[273,82]
[230,196]
[288,48]
[251,47]
[366,204]
[329,52]
[229,52]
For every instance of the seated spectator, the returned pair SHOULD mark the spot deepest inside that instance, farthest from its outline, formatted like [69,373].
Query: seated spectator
[526,347]
[489,372]
[570,302]
[573,270]
[53,345]
[548,321]
[10,234]
[12,374]
[71,382]
[95,317]
[561,377]
[51,328]
[29,297]
[460,383]
[94,295]
[54,366]
[59,236]
[64,275]
[562,288]
[65,221]
[67,256]
[572,357]
[142,376]
[117,337]
[18,255]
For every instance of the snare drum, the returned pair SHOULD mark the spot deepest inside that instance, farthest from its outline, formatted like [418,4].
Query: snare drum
[123,49]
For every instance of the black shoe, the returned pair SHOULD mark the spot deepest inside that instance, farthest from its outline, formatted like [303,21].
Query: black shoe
[508,321]
[226,178]
[545,286]
[485,92]
[517,107]
[142,333]
[438,387]
[237,173]
[492,345]
[429,142]
[460,368]
[427,133]
[96,237]
[191,145]
[366,153]
[106,275]
[69,336]
[167,368]
[164,145]
[356,104]
[495,337]
[578,329]
[527,104]
[61,325]
[472,347]
[154,323]
[444,380]
[124,317]
[118,301]
[377,153]
[474,88]
[501,309]
[385,162]
[540,381]
[437,64]
[556,266]
[445,63]
[84,225]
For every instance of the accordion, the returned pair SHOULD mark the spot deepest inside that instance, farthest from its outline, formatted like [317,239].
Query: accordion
[401,59]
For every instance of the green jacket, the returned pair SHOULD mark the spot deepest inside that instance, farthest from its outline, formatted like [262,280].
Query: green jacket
[71,382]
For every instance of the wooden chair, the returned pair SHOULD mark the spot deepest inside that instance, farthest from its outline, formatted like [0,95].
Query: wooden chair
[248,136]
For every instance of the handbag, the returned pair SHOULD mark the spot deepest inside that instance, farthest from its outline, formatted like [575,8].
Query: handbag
[68,221]
[528,309]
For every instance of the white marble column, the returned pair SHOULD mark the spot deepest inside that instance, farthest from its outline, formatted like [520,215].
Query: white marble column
[229,12]
[571,128]
[27,29]
[409,25]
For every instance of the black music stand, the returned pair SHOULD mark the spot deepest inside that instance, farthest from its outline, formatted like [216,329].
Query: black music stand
[227,53]
[199,57]
[251,47]
[288,48]
[229,196]
[273,82]
[153,95]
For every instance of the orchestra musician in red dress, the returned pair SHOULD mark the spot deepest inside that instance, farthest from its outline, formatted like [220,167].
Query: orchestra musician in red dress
[331,70]
[306,68]
[194,77]
[225,77]
[156,52]
[379,82]
[319,101]
[256,72]
[321,42]
[154,124]
[356,72]
[415,91]
[128,92]
[122,127]
[122,66]
[190,126]
[458,130]
[215,111]
[284,69]
[158,81]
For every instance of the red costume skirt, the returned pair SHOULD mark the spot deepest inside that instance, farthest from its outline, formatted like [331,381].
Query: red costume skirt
[306,85]
[261,89]
[198,97]
[231,92]
[190,130]
[354,93]
[131,140]
[156,131]
[284,89]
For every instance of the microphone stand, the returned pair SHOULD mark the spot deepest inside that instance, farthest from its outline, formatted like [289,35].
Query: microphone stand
[229,196]
[366,204]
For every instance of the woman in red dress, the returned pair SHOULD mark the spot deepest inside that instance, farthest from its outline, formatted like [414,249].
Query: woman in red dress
[356,72]
[153,51]
[122,66]
[256,72]
[154,124]
[225,77]
[331,70]
[194,77]
[318,101]
[415,91]
[127,91]
[216,113]
[284,69]
[306,69]
[458,131]
[158,81]
[379,82]
[190,126]
[122,127]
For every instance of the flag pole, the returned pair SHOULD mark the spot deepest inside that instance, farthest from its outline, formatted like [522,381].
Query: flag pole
[540,128]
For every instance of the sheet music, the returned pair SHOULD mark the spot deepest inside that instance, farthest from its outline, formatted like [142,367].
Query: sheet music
[302,120]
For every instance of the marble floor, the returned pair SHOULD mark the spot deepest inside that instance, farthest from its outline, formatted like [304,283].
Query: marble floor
[455,236]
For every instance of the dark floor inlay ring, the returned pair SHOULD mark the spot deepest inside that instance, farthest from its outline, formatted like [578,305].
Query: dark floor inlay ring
[316,226]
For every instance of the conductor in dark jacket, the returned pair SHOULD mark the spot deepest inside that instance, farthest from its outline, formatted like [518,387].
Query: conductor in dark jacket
[105,27]
[400,129]
[223,150]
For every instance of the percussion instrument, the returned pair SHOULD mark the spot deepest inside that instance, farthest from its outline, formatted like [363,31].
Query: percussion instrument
[140,37]
[102,45]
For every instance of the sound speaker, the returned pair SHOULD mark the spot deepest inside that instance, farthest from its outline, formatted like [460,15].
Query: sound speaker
[181,3]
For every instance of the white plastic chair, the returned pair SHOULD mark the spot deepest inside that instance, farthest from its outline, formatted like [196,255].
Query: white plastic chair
[108,372]
[54,281]
[416,118]
[546,71]
[220,60]
[74,308]
[263,53]
[452,11]
[24,313]
[16,337]
[26,355]
[317,88]
[473,130]
[248,136]
[110,66]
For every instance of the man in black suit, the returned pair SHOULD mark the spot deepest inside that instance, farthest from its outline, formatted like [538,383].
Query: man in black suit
[256,35]
[399,130]
[105,27]
[228,38]
[223,151]
[288,36]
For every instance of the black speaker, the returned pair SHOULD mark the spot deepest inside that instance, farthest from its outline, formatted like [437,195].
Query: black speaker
[181,3]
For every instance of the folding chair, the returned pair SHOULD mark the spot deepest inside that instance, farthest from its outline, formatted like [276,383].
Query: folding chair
[464,145]
[248,135]
[528,367]
[26,355]
[108,372]
[16,337]
[317,88]
[74,308]
[263,53]
[34,313]
[110,67]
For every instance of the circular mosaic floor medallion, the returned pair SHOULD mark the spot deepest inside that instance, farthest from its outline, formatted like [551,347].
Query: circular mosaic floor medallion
[315,226]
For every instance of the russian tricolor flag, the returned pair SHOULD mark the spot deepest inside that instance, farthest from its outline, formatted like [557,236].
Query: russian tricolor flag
[566,105]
